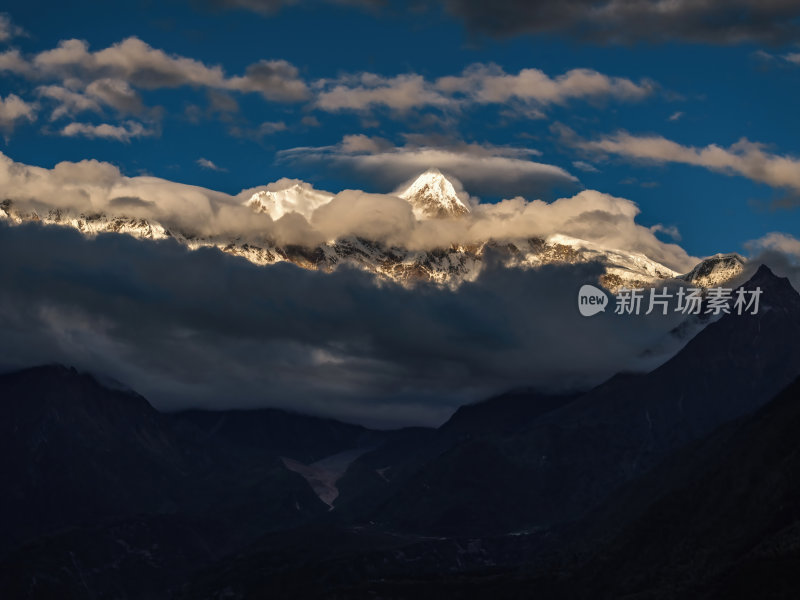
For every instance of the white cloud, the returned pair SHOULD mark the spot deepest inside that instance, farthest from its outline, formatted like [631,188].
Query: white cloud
[487,170]
[134,63]
[208,164]
[670,230]
[116,93]
[489,84]
[360,143]
[13,62]
[792,57]
[676,116]
[745,158]
[68,102]
[92,186]
[74,79]
[123,133]
[141,65]
[477,84]
[585,166]
[783,243]
[367,90]
[14,109]
[100,93]
[270,127]
[276,80]
[8,30]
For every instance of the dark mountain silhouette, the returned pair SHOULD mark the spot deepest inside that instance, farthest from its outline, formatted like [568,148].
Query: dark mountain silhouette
[74,451]
[720,519]
[562,458]
[678,482]
[86,466]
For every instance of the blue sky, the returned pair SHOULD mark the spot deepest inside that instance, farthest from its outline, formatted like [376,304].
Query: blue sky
[685,85]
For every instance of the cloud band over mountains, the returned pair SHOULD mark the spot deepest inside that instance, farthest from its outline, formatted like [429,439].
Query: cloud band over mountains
[92,187]
[202,328]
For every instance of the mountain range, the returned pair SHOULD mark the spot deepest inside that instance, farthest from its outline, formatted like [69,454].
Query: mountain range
[677,482]
[432,196]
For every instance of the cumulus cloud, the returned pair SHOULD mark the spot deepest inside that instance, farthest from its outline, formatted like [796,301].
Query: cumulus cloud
[68,102]
[8,30]
[74,79]
[14,109]
[777,242]
[208,164]
[485,170]
[12,61]
[123,132]
[276,80]
[116,93]
[113,93]
[90,81]
[138,63]
[206,329]
[477,84]
[613,21]
[585,166]
[489,84]
[95,187]
[379,217]
[745,158]
[91,187]
[670,230]
[367,90]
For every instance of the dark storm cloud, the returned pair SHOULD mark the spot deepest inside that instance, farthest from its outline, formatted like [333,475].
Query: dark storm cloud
[602,21]
[623,21]
[206,329]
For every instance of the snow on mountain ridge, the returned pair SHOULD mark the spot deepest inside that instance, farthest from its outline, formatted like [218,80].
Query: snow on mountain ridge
[450,265]
[277,200]
[432,195]
[716,270]
[624,262]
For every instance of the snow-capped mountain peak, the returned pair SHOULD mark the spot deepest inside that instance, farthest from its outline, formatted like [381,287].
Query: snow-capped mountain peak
[432,195]
[286,196]
[450,265]
[716,270]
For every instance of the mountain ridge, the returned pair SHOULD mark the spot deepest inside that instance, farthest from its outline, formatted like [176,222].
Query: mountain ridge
[431,196]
